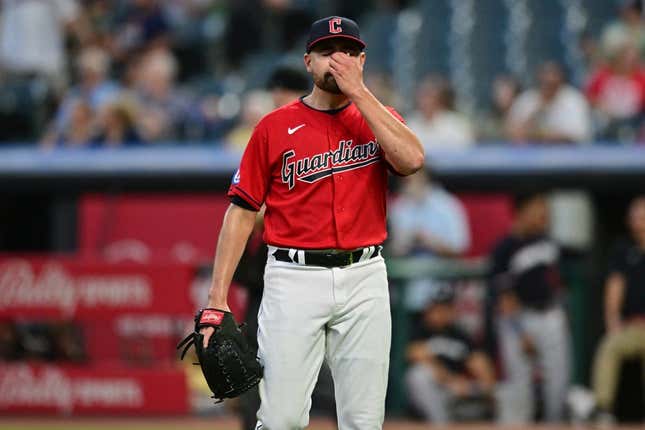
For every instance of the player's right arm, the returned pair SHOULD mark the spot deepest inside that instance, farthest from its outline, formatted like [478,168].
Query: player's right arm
[247,192]
[236,228]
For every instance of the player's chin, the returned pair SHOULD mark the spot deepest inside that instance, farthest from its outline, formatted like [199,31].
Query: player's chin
[329,85]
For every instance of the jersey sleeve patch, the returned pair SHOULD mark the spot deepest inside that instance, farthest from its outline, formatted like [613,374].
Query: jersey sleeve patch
[236,177]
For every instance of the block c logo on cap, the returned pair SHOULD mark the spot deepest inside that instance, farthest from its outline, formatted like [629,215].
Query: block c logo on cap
[334,26]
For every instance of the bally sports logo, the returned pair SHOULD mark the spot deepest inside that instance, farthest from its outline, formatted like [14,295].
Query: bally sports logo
[22,386]
[311,169]
[52,287]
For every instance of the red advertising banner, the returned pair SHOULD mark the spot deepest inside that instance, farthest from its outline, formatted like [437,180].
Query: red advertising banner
[42,287]
[144,227]
[26,388]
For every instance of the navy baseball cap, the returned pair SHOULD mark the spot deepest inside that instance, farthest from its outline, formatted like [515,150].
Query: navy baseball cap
[334,27]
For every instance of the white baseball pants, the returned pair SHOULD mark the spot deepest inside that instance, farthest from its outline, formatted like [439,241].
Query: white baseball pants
[308,313]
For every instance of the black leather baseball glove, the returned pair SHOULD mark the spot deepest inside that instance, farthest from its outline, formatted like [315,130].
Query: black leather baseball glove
[229,364]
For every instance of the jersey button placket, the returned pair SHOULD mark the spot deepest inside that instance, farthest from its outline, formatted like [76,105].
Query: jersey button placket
[339,208]
[332,140]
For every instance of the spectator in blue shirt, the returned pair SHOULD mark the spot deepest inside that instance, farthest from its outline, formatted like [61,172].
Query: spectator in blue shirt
[426,220]
[94,86]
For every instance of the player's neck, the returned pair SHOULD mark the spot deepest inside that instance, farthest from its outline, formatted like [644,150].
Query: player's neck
[323,100]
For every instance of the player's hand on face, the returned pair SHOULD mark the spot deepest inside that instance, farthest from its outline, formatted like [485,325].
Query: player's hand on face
[347,71]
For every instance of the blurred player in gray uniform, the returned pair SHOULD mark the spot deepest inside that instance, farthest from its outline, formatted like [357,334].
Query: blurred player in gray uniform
[532,329]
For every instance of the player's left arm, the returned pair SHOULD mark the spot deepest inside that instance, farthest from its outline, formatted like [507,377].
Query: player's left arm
[401,146]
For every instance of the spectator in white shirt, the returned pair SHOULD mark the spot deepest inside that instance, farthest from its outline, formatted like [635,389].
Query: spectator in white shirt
[555,112]
[627,28]
[32,37]
[436,122]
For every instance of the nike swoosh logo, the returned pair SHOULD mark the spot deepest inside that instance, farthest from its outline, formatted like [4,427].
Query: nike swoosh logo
[293,130]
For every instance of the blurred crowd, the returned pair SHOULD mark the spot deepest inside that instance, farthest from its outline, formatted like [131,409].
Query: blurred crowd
[128,72]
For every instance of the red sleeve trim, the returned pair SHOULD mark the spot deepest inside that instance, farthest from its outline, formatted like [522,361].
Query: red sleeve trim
[246,197]
[239,201]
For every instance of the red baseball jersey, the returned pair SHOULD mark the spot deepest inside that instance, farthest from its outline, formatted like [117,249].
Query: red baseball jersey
[322,176]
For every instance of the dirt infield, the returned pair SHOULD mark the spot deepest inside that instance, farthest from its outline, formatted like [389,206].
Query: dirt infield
[220,424]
